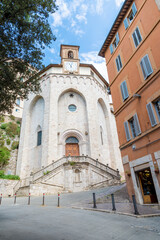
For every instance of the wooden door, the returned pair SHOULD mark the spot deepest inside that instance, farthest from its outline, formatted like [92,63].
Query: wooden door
[72,149]
[147,186]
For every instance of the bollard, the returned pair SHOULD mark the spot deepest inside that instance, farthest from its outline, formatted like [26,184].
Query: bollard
[1,199]
[135,205]
[113,203]
[29,199]
[15,199]
[58,200]
[43,199]
[94,200]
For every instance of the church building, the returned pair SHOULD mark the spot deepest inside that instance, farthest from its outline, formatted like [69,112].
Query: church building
[68,137]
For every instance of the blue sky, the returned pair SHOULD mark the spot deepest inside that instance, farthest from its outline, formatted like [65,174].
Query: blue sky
[85,23]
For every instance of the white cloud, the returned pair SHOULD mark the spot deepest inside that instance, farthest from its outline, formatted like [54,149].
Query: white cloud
[62,13]
[75,11]
[96,61]
[81,18]
[78,32]
[52,50]
[91,57]
[118,2]
[99,6]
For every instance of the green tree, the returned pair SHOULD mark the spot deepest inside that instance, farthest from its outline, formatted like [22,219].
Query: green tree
[24,33]
[4,156]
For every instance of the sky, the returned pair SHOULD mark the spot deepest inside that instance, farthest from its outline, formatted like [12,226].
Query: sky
[85,23]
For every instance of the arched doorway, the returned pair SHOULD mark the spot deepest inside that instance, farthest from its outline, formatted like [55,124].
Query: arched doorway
[72,146]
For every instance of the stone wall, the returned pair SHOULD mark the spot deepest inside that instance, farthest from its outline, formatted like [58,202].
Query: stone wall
[6,187]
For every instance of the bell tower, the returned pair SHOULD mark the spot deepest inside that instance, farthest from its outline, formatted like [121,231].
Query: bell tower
[70,58]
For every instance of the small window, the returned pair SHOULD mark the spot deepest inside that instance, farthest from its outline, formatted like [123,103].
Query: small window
[70,54]
[124,90]
[18,101]
[130,16]
[114,45]
[39,138]
[17,110]
[118,63]
[72,140]
[127,21]
[157,107]
[137,37]
[132,127]
[101,133]
[132,13]
[72,108]
[146,66]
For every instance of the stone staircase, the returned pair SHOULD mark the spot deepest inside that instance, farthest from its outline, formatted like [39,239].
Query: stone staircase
[68,174]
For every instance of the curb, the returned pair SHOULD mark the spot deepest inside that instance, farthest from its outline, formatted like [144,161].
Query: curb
[120,213]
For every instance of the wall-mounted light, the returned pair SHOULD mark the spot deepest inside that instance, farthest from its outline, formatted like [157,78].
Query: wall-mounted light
[136,95]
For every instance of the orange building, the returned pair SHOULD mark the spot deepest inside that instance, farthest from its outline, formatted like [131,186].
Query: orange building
[132,53]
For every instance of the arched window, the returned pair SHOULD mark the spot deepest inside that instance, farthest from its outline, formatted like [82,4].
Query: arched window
[39,136]
[72,140]
[77,175]
[101,133]
[70,54]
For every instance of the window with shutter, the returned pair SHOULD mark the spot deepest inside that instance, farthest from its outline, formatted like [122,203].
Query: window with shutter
[146,66]
[114,44]
[131,14]
[118,63]
[136,37]
[151,114]
[157,107]
[133,127]
[124,90]
[137,126]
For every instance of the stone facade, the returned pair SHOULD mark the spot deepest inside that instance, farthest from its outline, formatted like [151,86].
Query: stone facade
[68,174]
[7,187]
[92,123]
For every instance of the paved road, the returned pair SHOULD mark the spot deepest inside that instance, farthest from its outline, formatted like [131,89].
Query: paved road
[19,222]
[34,222]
